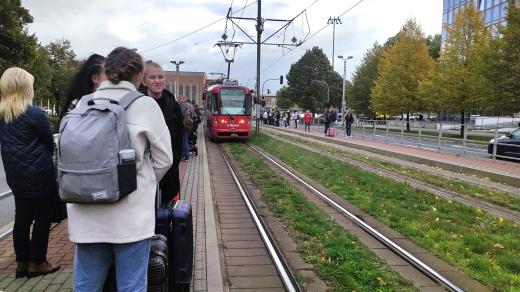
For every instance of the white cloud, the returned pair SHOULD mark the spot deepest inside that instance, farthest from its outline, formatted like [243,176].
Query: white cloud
[100,25]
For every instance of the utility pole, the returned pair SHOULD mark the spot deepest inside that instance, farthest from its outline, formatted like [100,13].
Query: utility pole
[259,30]
[343,98]
[259,42]
[177,64]
[333,21]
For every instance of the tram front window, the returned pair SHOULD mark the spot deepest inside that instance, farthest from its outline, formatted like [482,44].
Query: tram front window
[233,101]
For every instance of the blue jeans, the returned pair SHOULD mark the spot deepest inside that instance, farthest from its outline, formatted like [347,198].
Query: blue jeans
[185,146]
[92,260]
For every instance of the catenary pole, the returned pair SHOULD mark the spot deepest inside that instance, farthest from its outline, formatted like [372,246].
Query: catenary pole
[259,28]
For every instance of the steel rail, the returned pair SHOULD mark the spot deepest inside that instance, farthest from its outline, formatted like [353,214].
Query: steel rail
[281,266]
[434,275]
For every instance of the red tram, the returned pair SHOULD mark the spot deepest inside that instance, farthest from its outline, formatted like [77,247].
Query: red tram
[228,111]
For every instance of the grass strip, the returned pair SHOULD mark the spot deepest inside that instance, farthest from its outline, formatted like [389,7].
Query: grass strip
[338,257]
[496,197]
[487,248]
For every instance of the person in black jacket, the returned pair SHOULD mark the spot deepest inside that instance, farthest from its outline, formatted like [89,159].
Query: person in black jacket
[154,82]
[26,139]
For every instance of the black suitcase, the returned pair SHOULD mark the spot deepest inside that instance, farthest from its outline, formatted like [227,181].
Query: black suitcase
[181,244]
[176,224]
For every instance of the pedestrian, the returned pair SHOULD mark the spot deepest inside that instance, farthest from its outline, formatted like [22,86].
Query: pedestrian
[86,81]
[326,119]
[154,80]
[185,108]
[288,117]
[349,120]
[296,117]
[264,117]
[27,147]
[121,231]
[307,118]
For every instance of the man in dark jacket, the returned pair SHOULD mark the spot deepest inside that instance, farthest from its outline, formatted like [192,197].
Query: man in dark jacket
[154,79]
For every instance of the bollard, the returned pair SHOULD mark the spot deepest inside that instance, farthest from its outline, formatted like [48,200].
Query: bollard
[402,133]
[440,137]
[363,134]
[495,144]
[420,135]
[464,137]
[386,138]
[374,132]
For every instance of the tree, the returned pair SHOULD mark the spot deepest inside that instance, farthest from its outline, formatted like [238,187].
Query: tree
[313,65]
[505,73]
[434,46]
[459,85]
[402,67]
[17,46]
[283,99]
[363,80]
[42,72]
[63,64]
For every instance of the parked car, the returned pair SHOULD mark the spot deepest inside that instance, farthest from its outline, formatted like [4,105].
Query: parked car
[507,145]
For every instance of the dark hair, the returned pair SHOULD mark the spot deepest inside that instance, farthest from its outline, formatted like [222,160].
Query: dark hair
[82,83]
[122,64]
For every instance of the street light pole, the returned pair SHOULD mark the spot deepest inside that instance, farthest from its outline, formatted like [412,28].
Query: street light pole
[343,97]
[321,81]
[333,21]
[177,64]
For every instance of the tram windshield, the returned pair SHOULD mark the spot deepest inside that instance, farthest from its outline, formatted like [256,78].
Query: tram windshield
[233,101]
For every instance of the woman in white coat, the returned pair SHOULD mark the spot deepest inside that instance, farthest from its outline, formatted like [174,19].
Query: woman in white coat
[122,230]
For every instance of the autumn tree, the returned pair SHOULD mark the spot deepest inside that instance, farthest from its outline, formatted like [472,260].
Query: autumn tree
[17,46]
[459,85]
[306,93]
[505,72]
[363,80]
[402,67]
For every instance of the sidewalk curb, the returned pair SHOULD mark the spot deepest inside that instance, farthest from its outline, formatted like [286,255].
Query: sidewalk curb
[495,176]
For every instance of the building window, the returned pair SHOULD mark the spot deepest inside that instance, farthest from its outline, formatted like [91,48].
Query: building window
[193,93]
[181,89]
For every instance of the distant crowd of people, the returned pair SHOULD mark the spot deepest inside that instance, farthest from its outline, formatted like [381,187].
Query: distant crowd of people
[280,118]
[159,130]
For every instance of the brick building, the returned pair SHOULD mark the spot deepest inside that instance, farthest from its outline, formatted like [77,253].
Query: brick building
[191,84]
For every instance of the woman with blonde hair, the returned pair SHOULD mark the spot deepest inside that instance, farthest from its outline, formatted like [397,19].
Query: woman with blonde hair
[25,136]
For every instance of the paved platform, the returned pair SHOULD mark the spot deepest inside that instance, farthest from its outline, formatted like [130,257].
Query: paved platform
[499,170]
[195,186]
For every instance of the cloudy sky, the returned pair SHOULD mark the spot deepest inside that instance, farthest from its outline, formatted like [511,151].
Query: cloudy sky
[161,29]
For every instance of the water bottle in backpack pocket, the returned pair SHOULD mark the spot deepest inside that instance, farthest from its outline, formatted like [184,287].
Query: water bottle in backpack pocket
[95,161]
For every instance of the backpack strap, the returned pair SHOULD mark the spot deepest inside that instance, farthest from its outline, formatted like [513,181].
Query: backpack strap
[129,98]
[86,99]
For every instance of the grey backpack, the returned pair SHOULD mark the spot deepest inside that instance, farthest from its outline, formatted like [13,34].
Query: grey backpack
[91,136]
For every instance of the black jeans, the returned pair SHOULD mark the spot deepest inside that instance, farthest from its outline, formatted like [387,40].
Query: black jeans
[28,210]
[348,130]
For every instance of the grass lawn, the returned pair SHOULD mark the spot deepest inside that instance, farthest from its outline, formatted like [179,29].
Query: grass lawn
[486,247]
[496,197]
[338,257]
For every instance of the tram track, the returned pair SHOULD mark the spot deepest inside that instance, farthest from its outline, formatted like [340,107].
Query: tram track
[368,229]
[438,191]
[280,264]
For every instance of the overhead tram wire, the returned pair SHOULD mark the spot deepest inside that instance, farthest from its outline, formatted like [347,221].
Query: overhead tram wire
[195,31]
[314,34]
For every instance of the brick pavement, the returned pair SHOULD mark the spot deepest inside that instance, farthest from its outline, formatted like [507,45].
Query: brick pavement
[195,186]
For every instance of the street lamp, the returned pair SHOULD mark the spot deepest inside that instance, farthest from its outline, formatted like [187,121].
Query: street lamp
[333,21]
[343,101]
[321,81]
[177,64]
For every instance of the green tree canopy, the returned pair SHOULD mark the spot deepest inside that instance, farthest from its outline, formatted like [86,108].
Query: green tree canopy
[434,46]
[402,67]
[17,46]
[363,80]
[505,72]
[313,65]
[460,85]
[62,61]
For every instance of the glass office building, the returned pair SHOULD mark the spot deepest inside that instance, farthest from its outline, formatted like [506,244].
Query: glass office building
[494,11]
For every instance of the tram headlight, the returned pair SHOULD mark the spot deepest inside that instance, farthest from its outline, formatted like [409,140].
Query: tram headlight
[223,121]
[241,121]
